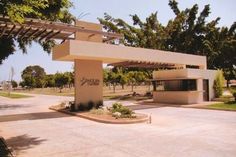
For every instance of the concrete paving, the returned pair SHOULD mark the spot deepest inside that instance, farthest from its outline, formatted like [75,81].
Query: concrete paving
[34,131]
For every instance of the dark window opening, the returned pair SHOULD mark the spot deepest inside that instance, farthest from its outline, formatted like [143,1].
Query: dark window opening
[176,85]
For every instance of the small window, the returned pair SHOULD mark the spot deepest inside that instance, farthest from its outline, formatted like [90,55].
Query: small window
[177,85]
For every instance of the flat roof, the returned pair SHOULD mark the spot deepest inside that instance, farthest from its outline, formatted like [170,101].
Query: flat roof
[108,53]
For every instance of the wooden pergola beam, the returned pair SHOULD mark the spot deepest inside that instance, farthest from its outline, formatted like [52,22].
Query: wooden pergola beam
[3,30]
[40,33]
[19,31]
[12,29]
[46,35]
[51,36]
[33,33]
[60,26]
[141,64]
[24,34]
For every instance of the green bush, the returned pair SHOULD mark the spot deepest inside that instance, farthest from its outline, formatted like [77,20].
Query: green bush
[85,106]
[234,94]
[99,104]
[218,84]
[125,111]
[72,106]
[97,111]
[90,105]
[82,107]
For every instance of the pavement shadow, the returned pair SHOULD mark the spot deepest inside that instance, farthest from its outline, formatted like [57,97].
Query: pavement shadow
[23,142]
[32,116]
[6,107]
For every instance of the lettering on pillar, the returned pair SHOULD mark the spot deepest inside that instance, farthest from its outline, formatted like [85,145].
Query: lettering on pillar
[89,82]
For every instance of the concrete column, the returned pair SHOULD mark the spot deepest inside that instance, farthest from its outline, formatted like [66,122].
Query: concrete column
[200,88]
[88,81]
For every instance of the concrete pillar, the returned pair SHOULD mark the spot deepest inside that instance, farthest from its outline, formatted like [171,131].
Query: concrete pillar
[88,81]
[84,36]
[200,88]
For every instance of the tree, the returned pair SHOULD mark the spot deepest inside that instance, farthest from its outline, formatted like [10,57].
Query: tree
[121,76]
[33,76]
[113,78]
[17,11]
[188,32]
[49,81]
[105,76]
[14,84]
[61,80]
[22,84]
[218,84]
[131,79]
[70,76]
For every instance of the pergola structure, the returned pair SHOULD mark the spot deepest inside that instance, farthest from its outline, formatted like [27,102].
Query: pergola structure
[47,30]
[143,64]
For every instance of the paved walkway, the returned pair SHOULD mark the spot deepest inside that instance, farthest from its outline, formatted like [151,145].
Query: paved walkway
[34,131]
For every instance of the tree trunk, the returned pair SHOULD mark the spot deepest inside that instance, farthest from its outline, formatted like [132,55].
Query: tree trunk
[114,88]
[227,82]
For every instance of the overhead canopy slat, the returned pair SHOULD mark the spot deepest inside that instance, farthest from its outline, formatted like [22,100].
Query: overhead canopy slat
[34,28]
[141,64]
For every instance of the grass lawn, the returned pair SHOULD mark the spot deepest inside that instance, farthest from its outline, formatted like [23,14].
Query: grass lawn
[14,95]
[223,106]
[107,92]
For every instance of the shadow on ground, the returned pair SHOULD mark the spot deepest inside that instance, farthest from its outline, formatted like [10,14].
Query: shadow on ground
[32,116]
[23,142]
[6,107]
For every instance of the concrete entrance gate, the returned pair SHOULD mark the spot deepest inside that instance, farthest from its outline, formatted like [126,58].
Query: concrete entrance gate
[89,47]
[88,51]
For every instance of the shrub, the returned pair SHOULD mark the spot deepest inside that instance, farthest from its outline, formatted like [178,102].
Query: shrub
[234,94]
[90,105]
[218,84]
[72,106]
[97,111]
[148,94]
[85,106]
[99,104]
[82,107]
[124,111]
[116,107]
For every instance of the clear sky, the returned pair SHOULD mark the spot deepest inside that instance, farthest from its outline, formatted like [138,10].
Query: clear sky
[226,9]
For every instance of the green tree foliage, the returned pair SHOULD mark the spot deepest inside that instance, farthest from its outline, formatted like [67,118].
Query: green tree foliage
[18,10]
[131,79]
[22,84]
[70,76]
[33,76]
[49,81]
[188,32]
[219,84]
[135,78]
[61,80]
[113,78]
[121,76]
[14,84]
[105,76]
